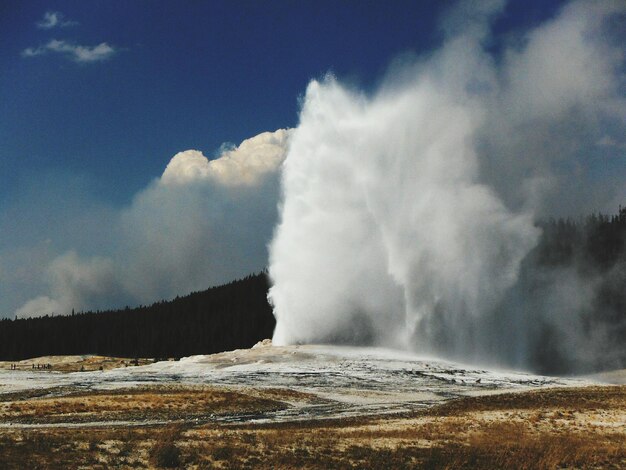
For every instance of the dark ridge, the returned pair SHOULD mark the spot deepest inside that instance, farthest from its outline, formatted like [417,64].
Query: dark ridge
[235,315]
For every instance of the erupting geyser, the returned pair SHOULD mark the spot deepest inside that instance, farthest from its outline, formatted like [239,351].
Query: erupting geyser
[407,214]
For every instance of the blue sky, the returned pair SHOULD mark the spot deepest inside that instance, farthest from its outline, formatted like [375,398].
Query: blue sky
[97,97]
[185,74]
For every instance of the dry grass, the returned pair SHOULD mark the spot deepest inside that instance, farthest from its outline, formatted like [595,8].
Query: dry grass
[593,398]
[148,403]
[570,428]
[165,453]
[72,448]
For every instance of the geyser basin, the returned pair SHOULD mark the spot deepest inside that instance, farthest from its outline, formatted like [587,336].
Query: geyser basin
[338,381]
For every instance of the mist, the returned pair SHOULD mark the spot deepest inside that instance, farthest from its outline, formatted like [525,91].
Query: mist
[409,215]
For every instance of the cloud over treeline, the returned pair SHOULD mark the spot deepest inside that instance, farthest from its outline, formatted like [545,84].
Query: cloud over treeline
[409,213]
[201,223]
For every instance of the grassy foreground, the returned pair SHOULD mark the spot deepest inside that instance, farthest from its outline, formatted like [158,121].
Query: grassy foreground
[177,427]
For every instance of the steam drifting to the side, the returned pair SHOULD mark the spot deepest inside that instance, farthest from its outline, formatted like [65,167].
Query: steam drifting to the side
[407,215]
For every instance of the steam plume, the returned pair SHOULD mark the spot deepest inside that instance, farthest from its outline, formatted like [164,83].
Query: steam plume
[407,215]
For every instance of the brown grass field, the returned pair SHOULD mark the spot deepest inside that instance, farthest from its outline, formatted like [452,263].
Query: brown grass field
[176,427]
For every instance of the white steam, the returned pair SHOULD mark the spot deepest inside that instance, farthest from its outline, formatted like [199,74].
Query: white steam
[406,215]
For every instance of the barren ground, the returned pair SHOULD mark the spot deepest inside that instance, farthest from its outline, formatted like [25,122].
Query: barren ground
[216,413]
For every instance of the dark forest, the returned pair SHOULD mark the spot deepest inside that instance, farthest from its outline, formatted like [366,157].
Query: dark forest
[594,248]
[235,315]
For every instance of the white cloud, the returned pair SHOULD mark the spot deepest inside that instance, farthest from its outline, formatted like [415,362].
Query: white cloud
[244,165]
[74,283]
[201,223]
[54,19]
[40,306]
[75,52]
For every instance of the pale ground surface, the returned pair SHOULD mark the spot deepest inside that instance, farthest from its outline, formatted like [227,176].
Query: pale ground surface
[304,407]
[345,381]
[616,377]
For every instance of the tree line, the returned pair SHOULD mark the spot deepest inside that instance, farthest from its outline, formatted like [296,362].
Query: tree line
[594,250]
[593,243]
[232,316]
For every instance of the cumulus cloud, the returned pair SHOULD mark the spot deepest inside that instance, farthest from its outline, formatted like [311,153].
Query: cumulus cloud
[75,52]
[54,19]
[203,222]
[241,166]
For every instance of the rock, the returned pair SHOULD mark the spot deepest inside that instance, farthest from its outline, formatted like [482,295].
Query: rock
[262,344]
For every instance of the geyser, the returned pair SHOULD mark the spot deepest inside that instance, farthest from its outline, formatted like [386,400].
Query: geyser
[408,214]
